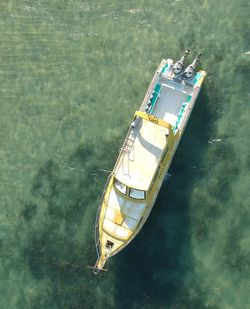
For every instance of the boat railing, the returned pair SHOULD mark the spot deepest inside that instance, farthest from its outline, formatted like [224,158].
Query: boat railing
[152,85]
[97,240]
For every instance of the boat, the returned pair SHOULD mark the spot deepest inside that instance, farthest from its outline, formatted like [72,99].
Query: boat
[145,156]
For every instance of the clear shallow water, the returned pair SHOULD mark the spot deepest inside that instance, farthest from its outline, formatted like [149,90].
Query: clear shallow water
[71,75]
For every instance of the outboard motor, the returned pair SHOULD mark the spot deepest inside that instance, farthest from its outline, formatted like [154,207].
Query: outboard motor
[190,71]
[179,65]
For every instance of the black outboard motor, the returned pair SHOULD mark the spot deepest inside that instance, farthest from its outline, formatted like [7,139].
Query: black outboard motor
[190,71]
[179,65]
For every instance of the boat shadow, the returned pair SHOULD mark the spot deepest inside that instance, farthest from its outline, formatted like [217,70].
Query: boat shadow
[153,271]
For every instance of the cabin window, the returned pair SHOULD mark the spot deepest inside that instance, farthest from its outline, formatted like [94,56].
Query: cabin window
[137,194]
[120,186]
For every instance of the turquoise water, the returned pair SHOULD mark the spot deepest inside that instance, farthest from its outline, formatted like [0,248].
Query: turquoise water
[71,75]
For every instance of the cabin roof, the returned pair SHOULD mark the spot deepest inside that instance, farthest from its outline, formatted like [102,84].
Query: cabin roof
[141,154]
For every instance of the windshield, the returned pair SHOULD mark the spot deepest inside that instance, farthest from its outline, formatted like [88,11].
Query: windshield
[120,186]
[133,193]
[137,194]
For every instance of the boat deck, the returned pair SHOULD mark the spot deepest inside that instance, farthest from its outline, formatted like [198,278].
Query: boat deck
[169,104]
[122,216]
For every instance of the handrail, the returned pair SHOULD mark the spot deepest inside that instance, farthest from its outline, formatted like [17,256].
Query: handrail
[97,240]
[153,119]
